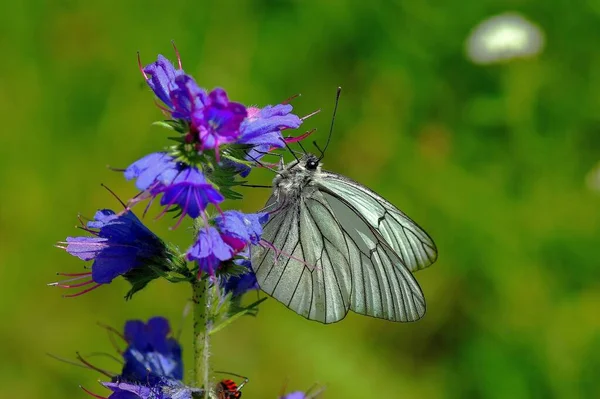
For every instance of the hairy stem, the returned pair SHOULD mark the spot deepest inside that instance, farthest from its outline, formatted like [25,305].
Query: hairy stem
[202,297]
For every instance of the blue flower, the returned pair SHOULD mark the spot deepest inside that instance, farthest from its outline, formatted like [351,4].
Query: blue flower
[121,243]
[239,285]
[310,394]
[232,233]
[187,97]
[209,250]
[241,229]
[181,185]
[151,355]
[167,389]
[295,395]
[218,121]
[161,79]
[190,191]
[152,171]
[262,130]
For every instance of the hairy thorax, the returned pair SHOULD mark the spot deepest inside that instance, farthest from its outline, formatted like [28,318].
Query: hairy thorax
[295,180]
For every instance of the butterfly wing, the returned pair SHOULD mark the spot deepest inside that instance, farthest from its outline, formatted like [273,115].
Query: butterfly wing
[412,244]
[306,266]
[325,259]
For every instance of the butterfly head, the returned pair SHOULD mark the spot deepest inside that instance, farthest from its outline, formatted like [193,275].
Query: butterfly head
[296,176]
[311,162]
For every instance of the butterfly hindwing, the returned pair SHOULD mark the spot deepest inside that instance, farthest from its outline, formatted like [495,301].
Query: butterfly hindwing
[412,244]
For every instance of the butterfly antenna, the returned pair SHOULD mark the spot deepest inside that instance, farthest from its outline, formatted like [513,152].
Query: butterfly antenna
[302,147]
[261,164]
[289,149]
[337,99]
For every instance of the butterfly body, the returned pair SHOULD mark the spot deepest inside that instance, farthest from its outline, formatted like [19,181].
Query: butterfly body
[335,246]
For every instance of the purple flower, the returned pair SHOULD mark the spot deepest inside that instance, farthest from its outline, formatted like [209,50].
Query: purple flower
[123,390]
[187,97]
[160,76]
[167,389]
[262,130]
[239,285]
[190,191]
[294,395]
[151,355]
[233,232]
[209,250]
[152,171]
[181,185]
[177,90]
[218,121]
[241,229]
[120,244]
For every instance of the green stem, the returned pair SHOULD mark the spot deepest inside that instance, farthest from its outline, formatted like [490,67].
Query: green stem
[202,297]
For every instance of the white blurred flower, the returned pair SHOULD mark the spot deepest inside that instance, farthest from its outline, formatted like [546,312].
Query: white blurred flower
[592,180]
[504,37]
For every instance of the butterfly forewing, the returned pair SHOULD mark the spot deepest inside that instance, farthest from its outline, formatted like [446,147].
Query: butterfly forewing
[309,270]
[412,244]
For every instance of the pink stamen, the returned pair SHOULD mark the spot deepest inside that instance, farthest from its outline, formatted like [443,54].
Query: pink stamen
[58,283]
[73,274]
[113,330]
[311,114]
[279,252]
[91,366]
[92,394]
[82,292]
[166,111]
[291,139]
[73,285]
[287,101]
[141,66]
[177,54]
[217,154]
[113,194]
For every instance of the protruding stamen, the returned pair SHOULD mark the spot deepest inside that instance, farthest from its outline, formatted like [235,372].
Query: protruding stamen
[92,367]
[82,292]
[279,252]
[292,139]
[59,284]
[141,66]
[166,111]
[311,114]
[111,336]
[116,169]
[289,99]
[113,194]
[92,394]
[177,54]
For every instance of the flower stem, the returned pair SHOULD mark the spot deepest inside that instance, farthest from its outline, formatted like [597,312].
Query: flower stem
[203,298]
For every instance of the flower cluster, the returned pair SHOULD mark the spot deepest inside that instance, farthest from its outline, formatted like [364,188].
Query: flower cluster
[216,144]
[152,364]
[153,367]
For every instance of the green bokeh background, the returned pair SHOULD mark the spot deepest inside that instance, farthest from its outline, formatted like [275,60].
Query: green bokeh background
[490,160]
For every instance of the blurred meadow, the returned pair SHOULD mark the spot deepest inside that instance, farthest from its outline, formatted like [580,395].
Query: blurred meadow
[496,161]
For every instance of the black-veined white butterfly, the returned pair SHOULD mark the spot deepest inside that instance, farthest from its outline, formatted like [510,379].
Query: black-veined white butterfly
[333,245]
[337,246]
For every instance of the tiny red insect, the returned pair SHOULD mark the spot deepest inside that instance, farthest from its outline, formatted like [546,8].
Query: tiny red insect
[228,389]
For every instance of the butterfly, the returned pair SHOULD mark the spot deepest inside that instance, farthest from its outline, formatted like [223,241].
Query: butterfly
[333,245]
